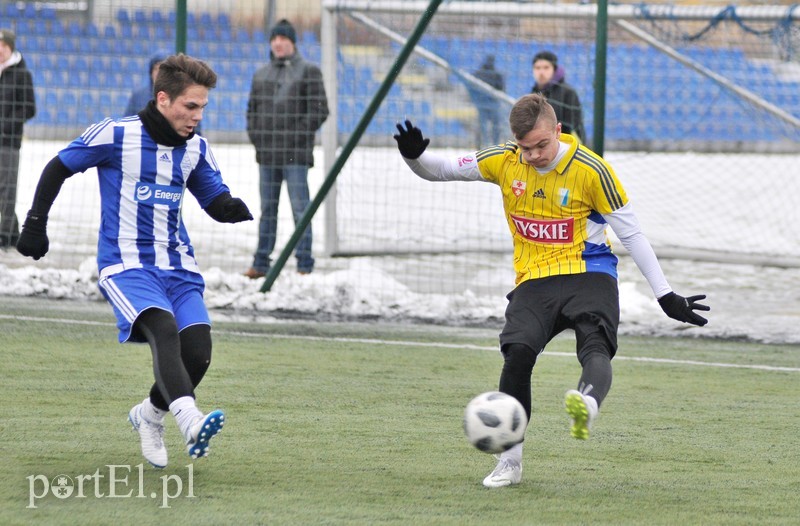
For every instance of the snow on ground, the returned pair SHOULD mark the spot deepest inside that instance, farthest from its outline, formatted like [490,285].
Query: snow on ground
[711,202]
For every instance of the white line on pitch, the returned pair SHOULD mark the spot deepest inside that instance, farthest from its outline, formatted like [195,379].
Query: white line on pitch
[373,341]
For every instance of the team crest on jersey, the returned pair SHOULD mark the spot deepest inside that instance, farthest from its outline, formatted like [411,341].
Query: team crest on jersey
[563,193]
[186,167]
[465,160]
[518,187]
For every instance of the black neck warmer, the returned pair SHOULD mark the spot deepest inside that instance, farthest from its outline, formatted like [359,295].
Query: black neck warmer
[159,128]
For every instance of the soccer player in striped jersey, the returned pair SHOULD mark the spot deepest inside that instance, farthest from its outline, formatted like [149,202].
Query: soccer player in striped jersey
[146,263]
[559,197]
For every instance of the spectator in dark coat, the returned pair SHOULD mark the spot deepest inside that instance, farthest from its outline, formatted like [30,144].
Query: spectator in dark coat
[287,105]
[491,125]
[550,82]
[17,105]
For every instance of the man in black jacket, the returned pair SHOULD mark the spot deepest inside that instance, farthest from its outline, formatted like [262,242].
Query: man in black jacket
[17,105]
[549,77]
[287,106]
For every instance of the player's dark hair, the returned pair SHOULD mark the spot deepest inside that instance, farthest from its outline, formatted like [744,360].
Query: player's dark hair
[527,112]
[180,71]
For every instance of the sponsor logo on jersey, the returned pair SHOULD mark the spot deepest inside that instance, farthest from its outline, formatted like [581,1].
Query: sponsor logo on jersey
[465,160]
[157,194]
[552,231]
[518,187]
[539,194]
[165,157]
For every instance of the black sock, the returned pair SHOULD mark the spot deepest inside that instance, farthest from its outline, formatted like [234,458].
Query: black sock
[596,377]
[516,376]
[172,379]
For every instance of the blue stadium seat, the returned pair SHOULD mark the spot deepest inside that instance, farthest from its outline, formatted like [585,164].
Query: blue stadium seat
[223,20]
[69,45]
[51,98]
[142,32]
[67,99]
[140,17]
[163,32]
[158,17]
[11,11]
[106,102]
[87,101]
[241,35]
[43,116]
[110,32]
[123,17]
[63,117]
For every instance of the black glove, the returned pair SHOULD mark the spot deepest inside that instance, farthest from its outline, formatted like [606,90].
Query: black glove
[33,240]
[682,309]
[227,209]
[410,141]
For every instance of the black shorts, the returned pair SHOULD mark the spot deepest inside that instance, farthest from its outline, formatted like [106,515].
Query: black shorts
[539,309]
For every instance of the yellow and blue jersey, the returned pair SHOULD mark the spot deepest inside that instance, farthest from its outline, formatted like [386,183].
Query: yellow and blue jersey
[556,218]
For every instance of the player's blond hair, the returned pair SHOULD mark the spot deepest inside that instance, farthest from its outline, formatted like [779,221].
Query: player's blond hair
[528,111]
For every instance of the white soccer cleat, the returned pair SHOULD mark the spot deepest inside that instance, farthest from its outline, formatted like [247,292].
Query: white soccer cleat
[151,436]
[583,410]
[203,431]
[505,474]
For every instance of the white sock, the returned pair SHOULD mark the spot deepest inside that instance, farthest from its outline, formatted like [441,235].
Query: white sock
[186,413]
[151,413]
[592,403]
[513,455]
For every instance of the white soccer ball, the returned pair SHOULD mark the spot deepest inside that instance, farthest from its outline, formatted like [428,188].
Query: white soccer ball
[494,422]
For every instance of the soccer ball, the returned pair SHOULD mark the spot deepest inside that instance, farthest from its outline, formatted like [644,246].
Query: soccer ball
[494,422]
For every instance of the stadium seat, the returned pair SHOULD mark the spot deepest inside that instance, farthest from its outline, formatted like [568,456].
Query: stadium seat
[63,117]
[87,101]
[123,17]
[67,99]
[223,20]
[50,99]
[29,11]
[11,11]
[43,116]
[163,32]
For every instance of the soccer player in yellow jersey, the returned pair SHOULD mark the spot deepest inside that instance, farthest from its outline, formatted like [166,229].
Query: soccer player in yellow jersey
[558,198]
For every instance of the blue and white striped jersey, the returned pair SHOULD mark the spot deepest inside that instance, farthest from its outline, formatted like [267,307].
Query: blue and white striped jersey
[141,191]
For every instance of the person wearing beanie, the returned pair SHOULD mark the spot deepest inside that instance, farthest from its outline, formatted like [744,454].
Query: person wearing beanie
[17,105]
[550,81]
[286,107]
[284,28]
